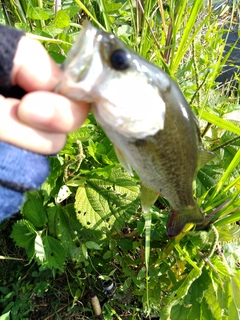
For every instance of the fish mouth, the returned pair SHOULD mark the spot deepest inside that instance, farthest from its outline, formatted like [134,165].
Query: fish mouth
[80,56]
[77,64]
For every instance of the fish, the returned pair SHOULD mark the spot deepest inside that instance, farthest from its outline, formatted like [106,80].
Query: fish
[146,117]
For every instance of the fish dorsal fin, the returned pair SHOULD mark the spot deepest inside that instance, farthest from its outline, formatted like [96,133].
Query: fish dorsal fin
[123,160]
[148,197]
[205,156]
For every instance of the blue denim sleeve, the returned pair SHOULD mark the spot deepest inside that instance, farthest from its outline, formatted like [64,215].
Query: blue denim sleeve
[20,171]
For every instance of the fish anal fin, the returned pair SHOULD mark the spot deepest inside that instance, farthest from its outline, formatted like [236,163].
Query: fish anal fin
[205,156]
[123,160]
[178,219]
[148,197]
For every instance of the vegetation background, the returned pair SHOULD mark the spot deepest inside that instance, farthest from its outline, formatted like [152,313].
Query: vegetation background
[84,230]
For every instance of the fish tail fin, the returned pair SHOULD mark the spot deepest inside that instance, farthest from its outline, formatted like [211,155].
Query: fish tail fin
[179,218]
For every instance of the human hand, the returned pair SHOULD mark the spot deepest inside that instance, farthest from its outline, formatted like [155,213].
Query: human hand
[39,121]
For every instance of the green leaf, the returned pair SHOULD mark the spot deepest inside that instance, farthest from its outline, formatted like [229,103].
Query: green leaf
[181,292]
[36,13]
[57,57]
[83,134]
[234,312]
[107,255]
[49,186]
[229,233]
[51,31]
[223,302]
[55,254]
[61,228]
[183,253]
[33,210]
[191,307]
[112,6]
[107,204]
[102,152]
[84,251]
[66,45]
[5,316]
[125,30]
[92,245]
[92,149]
[207,177]
[232,253]
[125,244]
[61,20]
[221,266]
[179,312]
[127,284]
[24,235]
[72,10]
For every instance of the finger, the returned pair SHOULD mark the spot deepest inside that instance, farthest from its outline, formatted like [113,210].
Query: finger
[33,69]
[21,135]
[52,112]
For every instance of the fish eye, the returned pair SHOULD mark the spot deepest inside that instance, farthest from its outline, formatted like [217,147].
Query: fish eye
[119,60]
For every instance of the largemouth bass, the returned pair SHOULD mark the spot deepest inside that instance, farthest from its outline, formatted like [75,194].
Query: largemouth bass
[145,115]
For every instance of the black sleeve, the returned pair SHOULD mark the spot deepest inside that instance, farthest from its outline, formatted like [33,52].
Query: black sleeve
[9,39]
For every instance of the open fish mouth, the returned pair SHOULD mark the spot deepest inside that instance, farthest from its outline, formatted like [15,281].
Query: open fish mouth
[76,68]
[77,64]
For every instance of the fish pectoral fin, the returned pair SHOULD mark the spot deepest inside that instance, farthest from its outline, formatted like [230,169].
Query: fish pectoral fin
[123,160]
[205,156]
[178,219]
[148,197]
